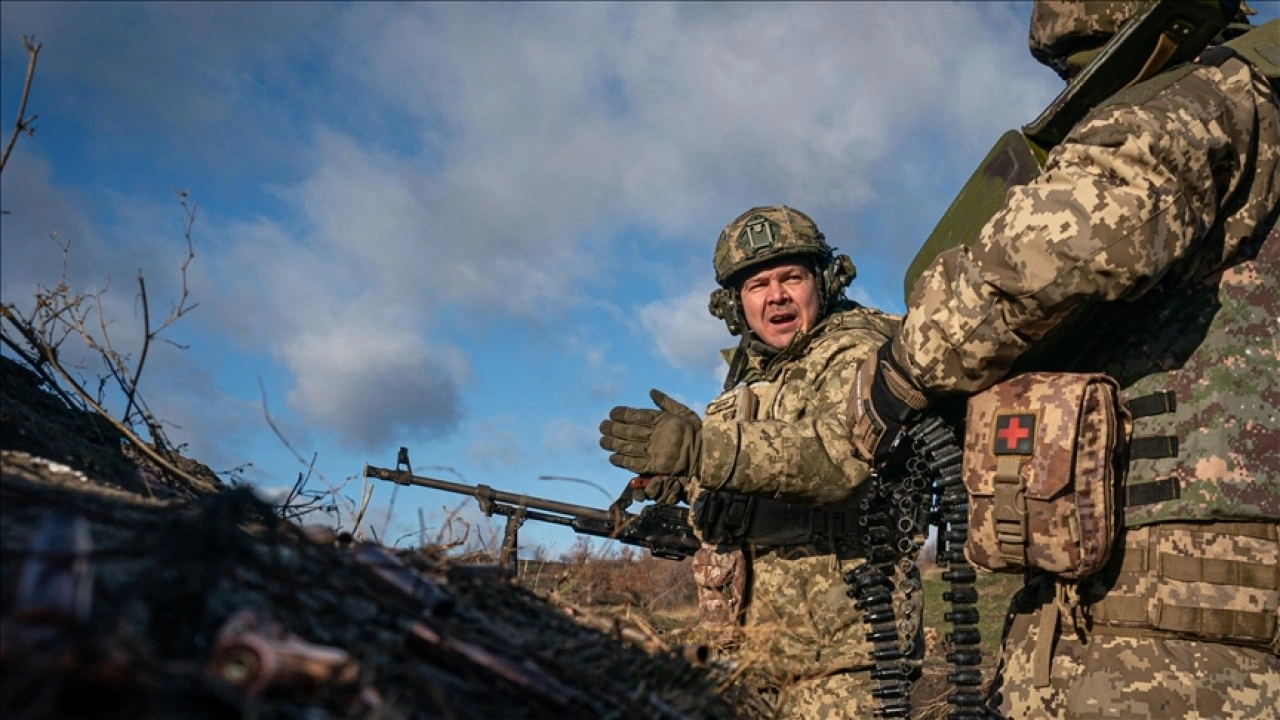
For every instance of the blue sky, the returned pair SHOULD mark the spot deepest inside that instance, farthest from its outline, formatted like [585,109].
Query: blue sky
[472,229]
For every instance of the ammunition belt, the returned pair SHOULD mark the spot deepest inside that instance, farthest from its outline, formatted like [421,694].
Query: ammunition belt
[937,455]
[896,514]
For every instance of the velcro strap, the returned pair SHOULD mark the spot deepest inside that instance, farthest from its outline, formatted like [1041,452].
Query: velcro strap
[1152,492]
[1219,572]
[1042,654]
[1010,510]
[1153,446]
[1157,403]
[1120,609]
[1216,622]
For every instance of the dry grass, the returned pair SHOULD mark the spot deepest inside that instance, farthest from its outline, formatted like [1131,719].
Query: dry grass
[662,593]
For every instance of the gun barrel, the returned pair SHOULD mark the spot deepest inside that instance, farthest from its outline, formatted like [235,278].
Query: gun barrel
[486,494]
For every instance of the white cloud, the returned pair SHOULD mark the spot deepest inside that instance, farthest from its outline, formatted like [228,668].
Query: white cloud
[439,158]
[496,448]
[686,335]
[562,434]
[372,382]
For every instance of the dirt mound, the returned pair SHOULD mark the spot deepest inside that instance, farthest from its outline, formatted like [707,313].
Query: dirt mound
[127,593]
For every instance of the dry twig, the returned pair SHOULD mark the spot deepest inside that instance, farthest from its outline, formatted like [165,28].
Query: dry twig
[23,123]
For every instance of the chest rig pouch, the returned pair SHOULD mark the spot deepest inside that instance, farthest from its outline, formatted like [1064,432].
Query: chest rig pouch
[1043,464]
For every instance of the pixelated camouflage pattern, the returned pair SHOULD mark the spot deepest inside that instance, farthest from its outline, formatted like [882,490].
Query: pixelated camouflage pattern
[1216,344]
[743,244]
[720,575]
[1123,672]
[787,440]
[1147,587]
[842,696]
[1062,27]
[1143,200]
[1128,203]
[1069,481]
[812,627]
[800,440]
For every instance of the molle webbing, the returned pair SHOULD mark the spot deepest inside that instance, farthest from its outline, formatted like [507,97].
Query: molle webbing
[1157,403]
[1128,611]
[1150,447]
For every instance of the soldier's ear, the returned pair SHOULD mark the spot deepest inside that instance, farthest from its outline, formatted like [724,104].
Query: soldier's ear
[724,305]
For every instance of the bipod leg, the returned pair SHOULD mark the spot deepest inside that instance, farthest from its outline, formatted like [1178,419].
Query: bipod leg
[508,557]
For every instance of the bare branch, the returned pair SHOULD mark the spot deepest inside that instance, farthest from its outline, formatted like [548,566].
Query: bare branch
[23,123]
[129,435]
[34,361]
[131,388]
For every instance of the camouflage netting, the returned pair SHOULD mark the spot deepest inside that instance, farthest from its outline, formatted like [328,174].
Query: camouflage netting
[172,565]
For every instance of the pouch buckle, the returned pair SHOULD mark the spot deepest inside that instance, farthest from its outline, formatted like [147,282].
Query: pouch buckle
[1010,510]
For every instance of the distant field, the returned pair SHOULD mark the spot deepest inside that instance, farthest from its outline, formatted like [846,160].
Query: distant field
[994,592]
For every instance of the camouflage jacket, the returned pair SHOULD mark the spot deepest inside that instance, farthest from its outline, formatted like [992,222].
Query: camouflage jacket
[787,439]
[782,432]
[1152,216]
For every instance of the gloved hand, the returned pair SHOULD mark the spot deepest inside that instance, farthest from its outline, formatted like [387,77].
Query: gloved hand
[666,441]
[662,489]
[882,405]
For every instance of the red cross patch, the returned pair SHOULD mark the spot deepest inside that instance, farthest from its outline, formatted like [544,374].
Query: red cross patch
[1015,434]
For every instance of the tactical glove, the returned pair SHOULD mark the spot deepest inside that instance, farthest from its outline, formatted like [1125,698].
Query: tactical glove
[666,441]
[882,405]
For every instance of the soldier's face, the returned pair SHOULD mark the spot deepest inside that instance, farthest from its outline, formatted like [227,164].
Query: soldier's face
[780,301]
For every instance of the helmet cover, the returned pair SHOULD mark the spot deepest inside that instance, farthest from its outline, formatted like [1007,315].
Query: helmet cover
[762,235]
[1060,28]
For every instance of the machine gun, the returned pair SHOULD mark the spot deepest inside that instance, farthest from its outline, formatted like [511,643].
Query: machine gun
[663,529]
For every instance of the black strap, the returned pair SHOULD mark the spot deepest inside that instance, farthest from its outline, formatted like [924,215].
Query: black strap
[1152,492]
[1216,56]
[832,524]
[1157,403]
[730,518]
[778,523]
[1153,446]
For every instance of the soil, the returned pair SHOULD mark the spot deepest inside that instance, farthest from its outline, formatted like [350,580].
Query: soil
[126,592]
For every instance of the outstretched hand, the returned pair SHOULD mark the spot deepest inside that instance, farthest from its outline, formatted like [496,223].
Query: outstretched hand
[666,441]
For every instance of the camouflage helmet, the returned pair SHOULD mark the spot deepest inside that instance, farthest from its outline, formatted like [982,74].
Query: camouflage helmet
[1062,28]
[767,234]
[764,234]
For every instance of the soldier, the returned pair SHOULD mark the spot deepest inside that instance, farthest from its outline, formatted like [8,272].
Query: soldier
[1157,215]
[778,434]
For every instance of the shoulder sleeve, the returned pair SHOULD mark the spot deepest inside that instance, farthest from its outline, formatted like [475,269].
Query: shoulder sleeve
[804,455]
[1175,182]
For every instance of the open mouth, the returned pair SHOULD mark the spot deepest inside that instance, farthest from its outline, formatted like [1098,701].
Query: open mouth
[782,319]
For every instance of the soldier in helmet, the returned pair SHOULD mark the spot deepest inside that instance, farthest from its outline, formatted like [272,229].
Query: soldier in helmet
[1156,216]
[777,435]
